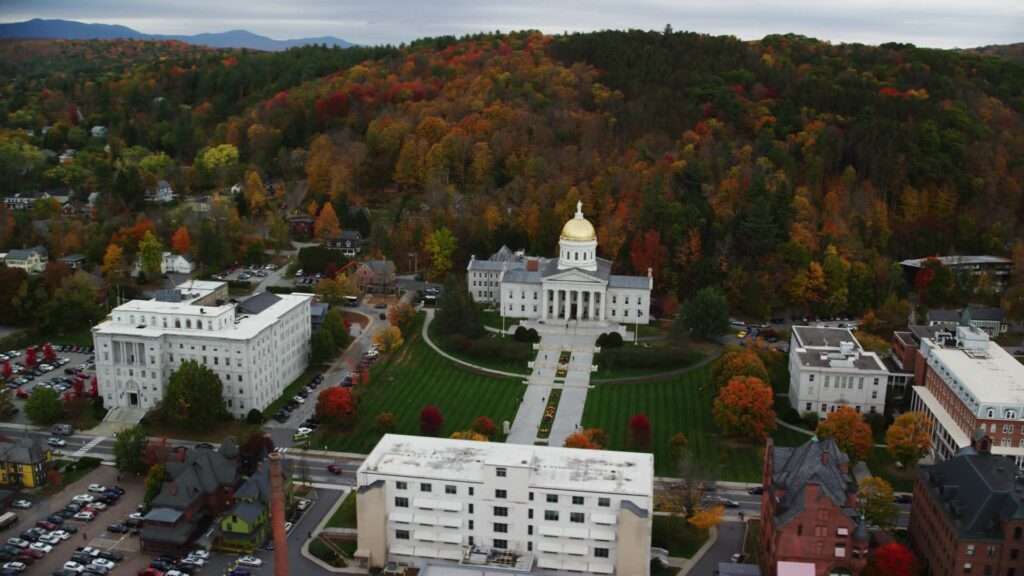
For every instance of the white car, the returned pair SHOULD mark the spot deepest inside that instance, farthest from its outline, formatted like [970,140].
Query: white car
[85,516]
[18,542]
[74,567]
[61,534]
[42,547]
[84,499]
[200,553]
[97,506]
[138,516]
[97,488]
[299,399]
[21,504]
[16,566]
[287,526]
[58,442]
[250,561]
[304,430]
[50,538]
[108,564]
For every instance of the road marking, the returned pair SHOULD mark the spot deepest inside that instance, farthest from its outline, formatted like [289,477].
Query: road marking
[84,449]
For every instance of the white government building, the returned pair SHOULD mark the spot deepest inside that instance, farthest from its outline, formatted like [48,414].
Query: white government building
[578,285]
[505,507]
[828,368]
[257,347]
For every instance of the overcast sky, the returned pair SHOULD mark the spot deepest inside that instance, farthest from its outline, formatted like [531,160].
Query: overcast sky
[937,23]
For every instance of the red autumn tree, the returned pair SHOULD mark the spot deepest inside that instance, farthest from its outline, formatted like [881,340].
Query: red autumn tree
[181,240]
[78,385]
[30,357]
[744,407]
[852,434]
[646,252]
[431,420]
[336,406]
[893,560]
[5,369]
[157,452]
[94,387]
[486,426]
[640,431]
[49,354]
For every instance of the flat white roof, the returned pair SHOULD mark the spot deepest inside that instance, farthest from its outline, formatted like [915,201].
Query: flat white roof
[955,260]
[551,468]
[995,377]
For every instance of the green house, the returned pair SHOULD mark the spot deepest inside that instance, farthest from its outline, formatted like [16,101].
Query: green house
[246,526]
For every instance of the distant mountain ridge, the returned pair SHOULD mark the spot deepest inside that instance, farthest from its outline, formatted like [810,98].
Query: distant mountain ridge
[72,30]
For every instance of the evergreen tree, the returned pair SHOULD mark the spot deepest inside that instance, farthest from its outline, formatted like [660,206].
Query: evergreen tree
[456,312]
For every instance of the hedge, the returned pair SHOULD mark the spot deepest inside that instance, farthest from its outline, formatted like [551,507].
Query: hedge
[653,358]
[487,348]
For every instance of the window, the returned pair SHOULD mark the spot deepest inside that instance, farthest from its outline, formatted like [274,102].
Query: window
[991,551]
[970,550]
[500,511]
[600,552]
[500,494]
[811,378]
[501,544]
[529,530]
[808,407]
[874,394]
[501,472]
[529,514]
[402,534]
[577,500]
[471,508]
[501,528]
[826,380]
[449,489]
[531,496]
[551,515]
[552,498]
[424,487]
[576,517]
[967,568]
[470,524]
[606,502]
[401,502]
[470,490]
[1007,428]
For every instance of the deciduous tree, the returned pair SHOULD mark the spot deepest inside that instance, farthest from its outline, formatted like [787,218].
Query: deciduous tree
[440,245]
[706,517]
[326,225]
[154,483]
[6,404]
[388,338]
[431,420]
[640,431]
[469,435]
[908,439]
[737,362]
[321,347]
[874,499]
[114,266]
[194,397]
[401,313]
[485,426]
[336,406]
[589,439]
[744,407]
[849,430]
[44,406]
[705,316]
[150,255]
[386,422]
[893,559]
[130,450]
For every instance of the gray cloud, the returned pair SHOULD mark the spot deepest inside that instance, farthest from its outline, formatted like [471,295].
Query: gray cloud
[938,23]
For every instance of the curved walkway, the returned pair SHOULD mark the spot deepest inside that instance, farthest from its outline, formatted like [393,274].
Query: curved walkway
[436,348]
[661,375]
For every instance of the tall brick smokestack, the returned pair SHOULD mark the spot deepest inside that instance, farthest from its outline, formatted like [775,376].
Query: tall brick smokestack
[277,516]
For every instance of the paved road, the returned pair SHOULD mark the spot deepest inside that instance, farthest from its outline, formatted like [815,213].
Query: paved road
[730,541]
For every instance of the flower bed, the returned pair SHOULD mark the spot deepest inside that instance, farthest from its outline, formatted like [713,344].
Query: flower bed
[549,414]
[561,372]
[563,358]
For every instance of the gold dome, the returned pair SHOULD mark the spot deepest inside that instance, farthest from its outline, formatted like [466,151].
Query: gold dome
[579,229]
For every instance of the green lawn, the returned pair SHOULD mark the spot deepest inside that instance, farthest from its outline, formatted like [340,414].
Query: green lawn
[880,464]
[496,363]
[82,337]
[492,318]
[415,376]
[345,515]
[751,543]
[680,538]
[322,551]
[293,389]
[658,328]
[679,404]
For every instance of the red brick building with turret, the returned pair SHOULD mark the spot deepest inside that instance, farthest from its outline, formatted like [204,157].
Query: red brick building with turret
[808,510]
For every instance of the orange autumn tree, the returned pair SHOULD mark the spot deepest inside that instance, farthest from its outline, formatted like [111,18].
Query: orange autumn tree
[336,406]
[707,517]
[744,407]
[849,430]
[181,240]
[589,439]
[908,439]
[327,225]
[737,363]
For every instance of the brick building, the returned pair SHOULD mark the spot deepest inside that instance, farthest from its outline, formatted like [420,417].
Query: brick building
[808,511]
[971,383]
[968,514]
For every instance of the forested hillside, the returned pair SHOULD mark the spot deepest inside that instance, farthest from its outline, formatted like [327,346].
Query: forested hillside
[790,172]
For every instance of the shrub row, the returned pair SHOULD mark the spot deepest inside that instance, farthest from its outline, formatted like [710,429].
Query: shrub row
[653,358]
[487,348]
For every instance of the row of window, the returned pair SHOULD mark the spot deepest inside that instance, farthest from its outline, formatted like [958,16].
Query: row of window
[499,493]
[833,407]
[502,544]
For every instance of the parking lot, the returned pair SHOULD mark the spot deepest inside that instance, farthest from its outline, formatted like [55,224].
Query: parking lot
[92,533]
[57,378]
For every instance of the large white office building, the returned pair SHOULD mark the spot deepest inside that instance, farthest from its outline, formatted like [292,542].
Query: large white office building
[576,286]
[504,506]
[828,368]
[257,347]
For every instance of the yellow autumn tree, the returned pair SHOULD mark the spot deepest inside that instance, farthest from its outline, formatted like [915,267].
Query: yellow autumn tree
[327,225]
[469,435]
[255,194]
[388,338]
[114,266]
[706,517]
[908,439]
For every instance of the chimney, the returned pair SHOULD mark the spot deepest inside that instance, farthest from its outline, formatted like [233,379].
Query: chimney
[174,489]
[824,456]
[277,516]
[532,265]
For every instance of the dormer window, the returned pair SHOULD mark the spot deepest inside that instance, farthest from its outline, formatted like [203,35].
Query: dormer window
[1011,414]
[991,413]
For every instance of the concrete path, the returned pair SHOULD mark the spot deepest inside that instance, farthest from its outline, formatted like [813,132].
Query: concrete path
[426,338]
[529,415]
[568,416]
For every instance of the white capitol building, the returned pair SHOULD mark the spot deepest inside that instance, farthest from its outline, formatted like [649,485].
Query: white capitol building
[575,286]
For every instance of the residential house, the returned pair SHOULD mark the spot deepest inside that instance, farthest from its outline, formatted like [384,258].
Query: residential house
[317,313]
[74,261]
[32,260]
[809,510]
[99,131]
[26,200]
[376,277]
[176,263]
[23,462]
[996,266]
[66,156]
[162,192]
[349,242]
[968,514]
[202,487]
[94,198]
[302,225]
[246,526]
[991,320]
[75,208]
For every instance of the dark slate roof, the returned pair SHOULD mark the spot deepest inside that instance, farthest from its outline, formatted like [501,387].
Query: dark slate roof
[353,235]
[986,313]
[940,315]
[318,309]
[19,254]
[494,265]
[794,468]
[73,258]
[603,272]
[165,515]
[178,534]
[23,450]
[257,487]
[522,277]
[641,282]
[259,302]
[381,267]
[976,492]
[202,472]
[247,511]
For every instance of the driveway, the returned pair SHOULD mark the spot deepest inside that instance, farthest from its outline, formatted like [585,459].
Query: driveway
[730,541]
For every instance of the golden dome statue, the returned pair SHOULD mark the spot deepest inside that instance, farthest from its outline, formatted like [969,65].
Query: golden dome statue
[579,229]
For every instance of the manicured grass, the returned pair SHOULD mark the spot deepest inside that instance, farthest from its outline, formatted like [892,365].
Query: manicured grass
[679,404]
[293,389]
[751,543]
[82,337]
[657,328]
[492,318]
[345,515]
[880,464]
[324,552]
[415,376]
[496,363]
[679,537]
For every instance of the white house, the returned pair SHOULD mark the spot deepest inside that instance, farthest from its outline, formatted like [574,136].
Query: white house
[32,260]
[170,262]
[828,369]
[576,286]
[99,131]
[162,192]
[256,347]
[504,506]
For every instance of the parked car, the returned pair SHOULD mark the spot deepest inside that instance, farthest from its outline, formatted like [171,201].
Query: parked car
[250,561]
[84,516]
[97,488]
[21,504]
[118,528]
[903,499]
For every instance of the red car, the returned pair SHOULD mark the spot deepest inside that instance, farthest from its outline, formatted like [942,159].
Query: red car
[21,393]
[150,572]
[334,469]
[46,524]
